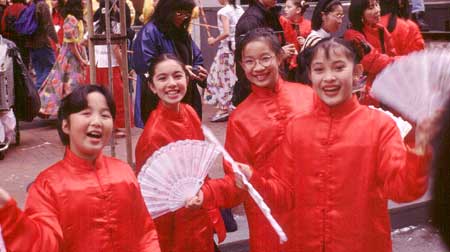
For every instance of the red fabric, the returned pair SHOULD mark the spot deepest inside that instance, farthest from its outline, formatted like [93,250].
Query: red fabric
[373,62]
[291,35]
[337,168]
[255,130]
[75,206]
[102,79]
[406,36]
[12,10]
[184,230]
[58,20]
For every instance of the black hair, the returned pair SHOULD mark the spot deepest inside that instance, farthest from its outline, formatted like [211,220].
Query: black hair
[390,7]
[302,4]
[165,12]
[232,2]
[161,58]
[323,6]
[18,1]
[261,34]
[356,13]
[76,102]
[440,207]
[332,44]
[74,8]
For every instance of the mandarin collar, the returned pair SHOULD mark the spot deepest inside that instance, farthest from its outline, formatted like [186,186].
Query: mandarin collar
[80,163]
[267,92]
[373,29]
[169,113]
[338,111]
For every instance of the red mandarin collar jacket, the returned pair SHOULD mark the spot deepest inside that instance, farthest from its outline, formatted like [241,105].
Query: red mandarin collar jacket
[254,132]
[77,206]
[336,169]
[185,230]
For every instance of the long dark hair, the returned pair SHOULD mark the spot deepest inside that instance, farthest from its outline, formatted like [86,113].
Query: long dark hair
[165,12]
[390,7]
[232,2]
[356,13]
[74,8]
[323,6]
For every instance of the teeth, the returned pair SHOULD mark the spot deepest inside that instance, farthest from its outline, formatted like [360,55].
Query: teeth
[94,134]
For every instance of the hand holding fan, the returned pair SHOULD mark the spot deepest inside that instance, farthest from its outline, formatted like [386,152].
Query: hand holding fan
[251,190]
[415,85]
[174,174]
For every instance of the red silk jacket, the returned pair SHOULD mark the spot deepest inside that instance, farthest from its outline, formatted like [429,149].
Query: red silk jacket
[185,230]
[406,36]
[291,35]
[74,206]
[254,132]
[337,168]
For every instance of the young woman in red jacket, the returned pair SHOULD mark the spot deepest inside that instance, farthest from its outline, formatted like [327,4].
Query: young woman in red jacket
[87,201]
[185,230]
[339,164]
[374,40]
[255,130]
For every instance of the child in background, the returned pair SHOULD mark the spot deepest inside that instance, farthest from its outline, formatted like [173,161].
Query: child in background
[222,73]
[255,130]
[185,230]
[101,63]
[296,28]
[87,201]
[340,164]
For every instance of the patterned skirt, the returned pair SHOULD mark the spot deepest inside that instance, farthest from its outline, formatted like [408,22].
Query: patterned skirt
[221,79]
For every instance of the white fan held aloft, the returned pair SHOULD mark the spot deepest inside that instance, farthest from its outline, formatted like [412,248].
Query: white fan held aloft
[174,174]
[415,85]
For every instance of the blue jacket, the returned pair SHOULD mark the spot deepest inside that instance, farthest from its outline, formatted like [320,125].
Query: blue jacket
[149,44]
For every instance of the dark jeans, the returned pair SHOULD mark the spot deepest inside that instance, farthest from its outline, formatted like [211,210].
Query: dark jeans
[42,60]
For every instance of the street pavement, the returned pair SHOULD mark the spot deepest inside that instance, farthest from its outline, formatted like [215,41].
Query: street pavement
[40,147]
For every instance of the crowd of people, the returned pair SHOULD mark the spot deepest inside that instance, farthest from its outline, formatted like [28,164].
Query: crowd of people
[298,124]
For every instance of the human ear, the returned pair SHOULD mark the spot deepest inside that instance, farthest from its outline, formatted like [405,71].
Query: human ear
[358,70]
[152,87]
[65,126]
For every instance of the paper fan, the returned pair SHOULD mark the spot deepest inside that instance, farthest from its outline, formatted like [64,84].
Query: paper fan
[175,173]
[415,85]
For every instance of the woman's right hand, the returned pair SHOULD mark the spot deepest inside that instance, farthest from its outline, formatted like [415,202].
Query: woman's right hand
[4,197]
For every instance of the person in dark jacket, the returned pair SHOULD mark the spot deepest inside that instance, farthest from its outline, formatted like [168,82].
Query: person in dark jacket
[167,32]
[260,14]
[41,52]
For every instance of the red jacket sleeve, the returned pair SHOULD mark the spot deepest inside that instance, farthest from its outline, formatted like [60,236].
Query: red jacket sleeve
[415,39]
[277,186]
[223,192]
[37,229]
[403,174]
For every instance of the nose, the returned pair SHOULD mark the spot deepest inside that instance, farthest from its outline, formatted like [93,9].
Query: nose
[96,120]
[329,76]
[171,82]
[258,66]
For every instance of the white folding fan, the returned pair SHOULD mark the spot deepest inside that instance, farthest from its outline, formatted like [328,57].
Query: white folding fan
[2,243]
[415,85]
[175,173]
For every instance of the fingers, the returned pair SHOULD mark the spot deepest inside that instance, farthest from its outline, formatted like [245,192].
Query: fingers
[195,202]
[199,74]
[289,50]
[248,173]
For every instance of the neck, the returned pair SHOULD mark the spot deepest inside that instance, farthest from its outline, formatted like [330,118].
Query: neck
[173,107]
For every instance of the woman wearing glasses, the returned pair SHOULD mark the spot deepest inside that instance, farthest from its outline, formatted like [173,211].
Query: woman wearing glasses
[255,130]
[167,32]
[327,19]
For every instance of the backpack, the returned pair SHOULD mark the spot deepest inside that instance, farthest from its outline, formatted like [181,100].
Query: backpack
[27,23]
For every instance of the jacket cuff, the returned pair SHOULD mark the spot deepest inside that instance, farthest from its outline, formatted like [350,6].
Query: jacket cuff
[208,198]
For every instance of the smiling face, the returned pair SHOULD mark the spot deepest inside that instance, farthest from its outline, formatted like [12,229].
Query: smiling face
[169,83]
[333,75]
[371,15]
[331,21]
[260,64]
[90,129]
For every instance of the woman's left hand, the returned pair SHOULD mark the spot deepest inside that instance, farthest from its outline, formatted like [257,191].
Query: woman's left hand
[195,202]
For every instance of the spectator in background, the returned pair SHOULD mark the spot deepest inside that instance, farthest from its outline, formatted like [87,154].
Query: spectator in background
[69,70]
[418,14]
[167,32]
[296,28]
[327,19]
[3,5]
[222,74]
[10,15]
[42,54]
[406,35]
[58,22]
